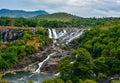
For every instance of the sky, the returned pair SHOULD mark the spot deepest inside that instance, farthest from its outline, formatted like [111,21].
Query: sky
[83,8]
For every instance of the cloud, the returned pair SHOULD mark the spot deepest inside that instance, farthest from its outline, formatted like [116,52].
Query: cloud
[84,8]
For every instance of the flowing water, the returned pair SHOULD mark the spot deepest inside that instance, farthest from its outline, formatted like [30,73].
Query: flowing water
[24,77]
[50,33]
[54,34]
[65,36]
[41,63]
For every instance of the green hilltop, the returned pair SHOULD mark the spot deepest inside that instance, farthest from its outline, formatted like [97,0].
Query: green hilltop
[60,16]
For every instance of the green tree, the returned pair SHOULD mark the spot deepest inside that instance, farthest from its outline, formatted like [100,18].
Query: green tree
[89,81]
[29,49]
[3,63]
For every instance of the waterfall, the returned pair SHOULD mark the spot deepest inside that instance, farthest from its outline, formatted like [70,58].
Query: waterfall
[41,63]
[50,33]
[75,35]
[54,34]
[62,33]
[57,74]
[68,38]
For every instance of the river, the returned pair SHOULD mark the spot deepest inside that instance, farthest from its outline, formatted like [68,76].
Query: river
[24,77]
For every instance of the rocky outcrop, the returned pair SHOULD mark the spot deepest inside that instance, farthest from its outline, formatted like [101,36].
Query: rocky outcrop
[7,34]
[52,65]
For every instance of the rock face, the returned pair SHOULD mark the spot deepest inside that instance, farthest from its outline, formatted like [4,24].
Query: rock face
[60,37]
[10,34]
[52,65]
[30,63]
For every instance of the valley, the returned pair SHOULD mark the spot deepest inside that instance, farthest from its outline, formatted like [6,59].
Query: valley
[59,48]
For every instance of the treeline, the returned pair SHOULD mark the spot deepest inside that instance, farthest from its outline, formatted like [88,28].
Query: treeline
[97,58]
[77,22]
[12,52]
[23,22]
[19,22]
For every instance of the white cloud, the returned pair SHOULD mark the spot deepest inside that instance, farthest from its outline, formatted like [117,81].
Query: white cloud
[86,8]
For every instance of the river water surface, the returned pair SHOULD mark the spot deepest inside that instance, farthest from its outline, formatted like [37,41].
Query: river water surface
[24,77]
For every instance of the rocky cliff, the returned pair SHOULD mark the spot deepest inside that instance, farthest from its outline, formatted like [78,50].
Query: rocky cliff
[7,34]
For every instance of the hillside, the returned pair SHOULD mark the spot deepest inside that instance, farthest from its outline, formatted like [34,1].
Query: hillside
[96,58]
[57,20]
[60,16]
[21,13]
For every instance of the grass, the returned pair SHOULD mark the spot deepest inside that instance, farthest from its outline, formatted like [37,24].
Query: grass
[115,81]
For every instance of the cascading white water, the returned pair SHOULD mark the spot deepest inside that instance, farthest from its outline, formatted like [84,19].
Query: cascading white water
[71,35]
[65,36]
[54,34]
[59,33]
[77,34]
[57,74]
[50,33]
[41,63]
[62,33]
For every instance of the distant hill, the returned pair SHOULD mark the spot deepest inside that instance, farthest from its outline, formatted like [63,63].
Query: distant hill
[21,13]
[56,16]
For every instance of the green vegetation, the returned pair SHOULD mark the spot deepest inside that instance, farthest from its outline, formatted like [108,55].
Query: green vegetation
[54,81]
[56,17]
[97,58]
[12,52]
[57,20]
[116,81]
[30,82]
[97,53]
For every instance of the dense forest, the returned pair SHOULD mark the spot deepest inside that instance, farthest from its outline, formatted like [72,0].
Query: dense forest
[56,20]
[96,58]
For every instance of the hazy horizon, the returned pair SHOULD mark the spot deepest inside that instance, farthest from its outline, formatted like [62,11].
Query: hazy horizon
[82,8]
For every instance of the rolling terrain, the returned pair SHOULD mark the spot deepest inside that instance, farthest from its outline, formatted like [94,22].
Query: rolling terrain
[21,13]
